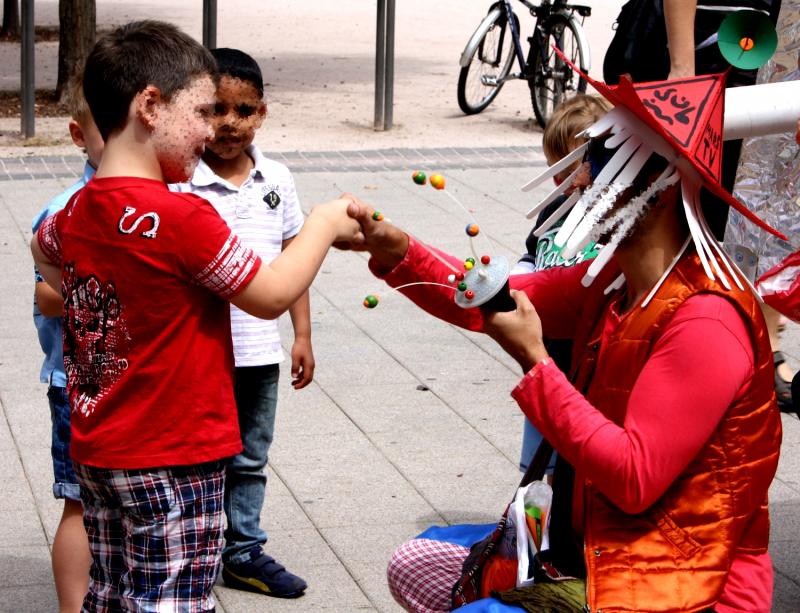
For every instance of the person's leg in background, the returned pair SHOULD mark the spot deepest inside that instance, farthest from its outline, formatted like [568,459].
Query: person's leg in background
[70,558]
[783,374]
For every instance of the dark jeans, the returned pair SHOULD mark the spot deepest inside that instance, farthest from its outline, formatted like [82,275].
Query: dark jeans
[256,391]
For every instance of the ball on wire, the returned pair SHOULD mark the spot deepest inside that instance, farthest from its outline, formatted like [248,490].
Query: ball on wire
[377,216]
[437,181]
[472,229]
[419,177]
[371,301]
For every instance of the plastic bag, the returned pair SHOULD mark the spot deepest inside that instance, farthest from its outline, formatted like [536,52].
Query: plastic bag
[780,287]
[530,511]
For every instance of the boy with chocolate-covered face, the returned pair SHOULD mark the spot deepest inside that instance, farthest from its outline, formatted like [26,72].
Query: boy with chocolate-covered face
[147,276]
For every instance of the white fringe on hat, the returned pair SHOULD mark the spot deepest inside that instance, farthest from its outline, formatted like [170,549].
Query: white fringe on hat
[591,214]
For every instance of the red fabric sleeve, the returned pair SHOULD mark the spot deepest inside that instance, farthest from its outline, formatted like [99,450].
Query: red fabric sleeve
[213,256]
[697,368]
[556,293]
[49,238]
[749,586]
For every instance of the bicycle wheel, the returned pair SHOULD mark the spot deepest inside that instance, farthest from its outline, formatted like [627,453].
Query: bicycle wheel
[553,80]
[480,81]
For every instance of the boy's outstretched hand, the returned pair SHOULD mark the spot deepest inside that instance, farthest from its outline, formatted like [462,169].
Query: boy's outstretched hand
[519,332]
[339,221]
[386,243]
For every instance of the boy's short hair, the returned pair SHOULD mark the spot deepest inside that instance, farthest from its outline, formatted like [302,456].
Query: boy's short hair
[75,101]
[239,65]
[135,55]
[569,118]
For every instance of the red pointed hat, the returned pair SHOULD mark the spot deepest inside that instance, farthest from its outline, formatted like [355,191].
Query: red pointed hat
[688,115]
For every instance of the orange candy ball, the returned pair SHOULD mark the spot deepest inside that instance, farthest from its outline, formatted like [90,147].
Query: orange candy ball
[437,181]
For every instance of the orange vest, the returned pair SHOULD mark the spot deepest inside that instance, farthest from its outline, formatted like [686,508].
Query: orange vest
[675,556]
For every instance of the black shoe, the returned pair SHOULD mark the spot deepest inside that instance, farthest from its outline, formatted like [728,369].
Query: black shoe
[262,574]
[783,388]
[796,393]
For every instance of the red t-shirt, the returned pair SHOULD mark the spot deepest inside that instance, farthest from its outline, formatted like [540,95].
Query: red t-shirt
[147,346]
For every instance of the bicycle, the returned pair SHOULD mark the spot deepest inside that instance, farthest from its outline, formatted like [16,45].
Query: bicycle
[491,50]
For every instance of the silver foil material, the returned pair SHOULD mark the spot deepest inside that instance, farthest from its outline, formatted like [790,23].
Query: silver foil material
[768,178]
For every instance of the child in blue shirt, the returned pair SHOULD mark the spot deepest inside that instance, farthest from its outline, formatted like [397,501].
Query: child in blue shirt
[71,558]
[569,119]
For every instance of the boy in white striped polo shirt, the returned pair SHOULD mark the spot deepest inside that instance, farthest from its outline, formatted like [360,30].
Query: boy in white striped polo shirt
[257,199]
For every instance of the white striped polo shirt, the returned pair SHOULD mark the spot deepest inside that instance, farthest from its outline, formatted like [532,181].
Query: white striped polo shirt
[263,212]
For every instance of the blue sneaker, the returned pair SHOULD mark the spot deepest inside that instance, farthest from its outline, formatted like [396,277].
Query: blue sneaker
[262,574]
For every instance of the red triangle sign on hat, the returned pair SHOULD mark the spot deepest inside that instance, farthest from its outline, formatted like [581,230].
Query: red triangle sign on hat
[688,114]
[691,111]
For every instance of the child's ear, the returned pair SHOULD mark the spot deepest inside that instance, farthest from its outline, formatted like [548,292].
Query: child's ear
[76,132]
[262,114]
[146,105]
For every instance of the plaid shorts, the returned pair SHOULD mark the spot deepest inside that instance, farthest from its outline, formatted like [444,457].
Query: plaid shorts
[155,536]
[422,573]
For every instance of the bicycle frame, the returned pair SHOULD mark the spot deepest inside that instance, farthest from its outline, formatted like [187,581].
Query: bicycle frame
[504,7]
[512,24]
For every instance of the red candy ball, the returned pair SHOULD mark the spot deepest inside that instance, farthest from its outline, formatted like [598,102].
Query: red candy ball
[485,259]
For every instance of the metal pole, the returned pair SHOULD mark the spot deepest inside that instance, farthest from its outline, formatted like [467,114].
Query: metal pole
[27,80]
[380,65]
[388,103]
[210,24]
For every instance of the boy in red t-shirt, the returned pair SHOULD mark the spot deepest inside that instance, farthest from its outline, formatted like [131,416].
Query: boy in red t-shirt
[146,276]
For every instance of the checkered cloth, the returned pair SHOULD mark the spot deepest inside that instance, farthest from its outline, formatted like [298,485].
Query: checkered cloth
[422,573]
[155,537]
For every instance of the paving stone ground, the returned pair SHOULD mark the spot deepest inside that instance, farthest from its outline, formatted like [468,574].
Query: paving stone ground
[409,421]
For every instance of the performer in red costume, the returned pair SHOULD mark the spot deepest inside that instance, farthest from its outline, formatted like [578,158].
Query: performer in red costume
[667,423]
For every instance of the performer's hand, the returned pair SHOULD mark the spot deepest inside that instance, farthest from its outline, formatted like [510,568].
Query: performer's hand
[519,332]
[385,242]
